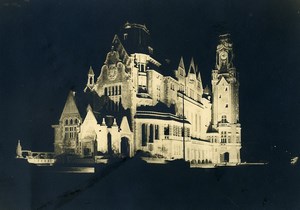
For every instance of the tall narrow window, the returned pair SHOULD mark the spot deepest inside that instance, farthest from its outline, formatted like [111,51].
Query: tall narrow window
[142,68]
[224,120]
[144,135]
[156,132]
[113,91]
[109,91]
[119,89]
[167,130]
[151,134]
[105,91]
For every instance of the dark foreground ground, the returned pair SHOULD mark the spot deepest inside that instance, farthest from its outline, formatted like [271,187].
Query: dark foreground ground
[133,184]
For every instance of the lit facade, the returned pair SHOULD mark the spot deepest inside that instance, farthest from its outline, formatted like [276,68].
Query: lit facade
[139,103]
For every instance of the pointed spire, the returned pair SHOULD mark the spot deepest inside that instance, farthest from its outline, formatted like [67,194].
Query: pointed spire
[103,121]
[91,71]
[199,75]
[70,106]
[89,108]
[115,122]
[192,69]
[181,63]
[181,69]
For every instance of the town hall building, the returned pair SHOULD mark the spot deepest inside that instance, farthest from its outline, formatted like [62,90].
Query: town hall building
[136,102]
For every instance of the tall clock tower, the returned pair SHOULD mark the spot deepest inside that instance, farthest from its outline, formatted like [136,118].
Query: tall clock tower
[225,109]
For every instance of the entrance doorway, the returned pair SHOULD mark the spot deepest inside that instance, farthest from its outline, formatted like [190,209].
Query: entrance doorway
[224,157]
[125,147]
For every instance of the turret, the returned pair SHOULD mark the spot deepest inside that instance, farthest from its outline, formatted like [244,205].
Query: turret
[91,80]
[19,150]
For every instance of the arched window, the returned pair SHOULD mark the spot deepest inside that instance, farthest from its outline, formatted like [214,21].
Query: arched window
[76,121]
[91,80]
[66,122]
[71,122]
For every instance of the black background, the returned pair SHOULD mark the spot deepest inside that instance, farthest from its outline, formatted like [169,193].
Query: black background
[46,48]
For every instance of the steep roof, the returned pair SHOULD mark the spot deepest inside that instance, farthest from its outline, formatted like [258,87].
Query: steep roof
[70,108]
[192,69]
[159,107]
[91,72]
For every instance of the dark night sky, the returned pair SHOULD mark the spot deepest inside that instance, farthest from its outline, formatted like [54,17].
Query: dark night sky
[46,48]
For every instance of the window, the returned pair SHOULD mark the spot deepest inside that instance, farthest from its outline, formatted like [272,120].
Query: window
[188,132]
[105,91]
[223,137]
[113,90]
[226,106]
[174,130]
[224,119]
[156,132]
[167,130]
[125,36]
[172,86]
[144,135]
[70,132]
[119,89]
[181,88]
[151,134]
[142,68]
[66,122]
